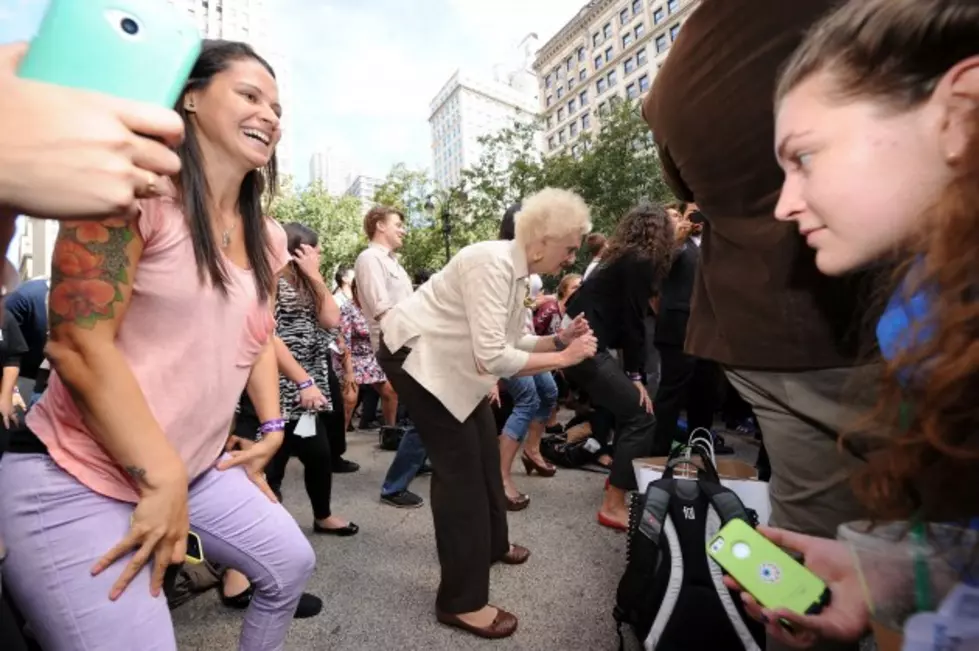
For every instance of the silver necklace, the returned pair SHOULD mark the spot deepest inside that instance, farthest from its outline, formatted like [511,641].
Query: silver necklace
[226,236]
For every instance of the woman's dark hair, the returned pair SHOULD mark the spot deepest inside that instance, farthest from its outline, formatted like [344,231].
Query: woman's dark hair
[216,56]
[508,224]
[422,276]
[647,233]
[298,235]
[339,275]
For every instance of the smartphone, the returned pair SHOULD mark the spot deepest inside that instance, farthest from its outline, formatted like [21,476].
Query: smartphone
[766,572]
[136,49]
[195,550]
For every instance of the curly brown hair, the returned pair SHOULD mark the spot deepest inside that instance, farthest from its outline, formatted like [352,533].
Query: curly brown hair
[928,468]
[646,232]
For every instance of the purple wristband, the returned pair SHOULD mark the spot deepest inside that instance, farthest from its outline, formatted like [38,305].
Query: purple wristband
[635,377]
[274,425]
[305,384]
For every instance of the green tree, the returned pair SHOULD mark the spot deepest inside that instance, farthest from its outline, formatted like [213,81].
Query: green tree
[337,220]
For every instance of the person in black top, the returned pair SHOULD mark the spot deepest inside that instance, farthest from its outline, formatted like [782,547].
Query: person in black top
[12,349]
[615,299]
[29,306]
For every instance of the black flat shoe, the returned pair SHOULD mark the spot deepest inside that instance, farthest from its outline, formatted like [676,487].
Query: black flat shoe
[426,469]
[350,530]
[342,467]
[308,606]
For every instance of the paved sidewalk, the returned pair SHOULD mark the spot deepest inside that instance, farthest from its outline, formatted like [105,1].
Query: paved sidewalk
[379,586]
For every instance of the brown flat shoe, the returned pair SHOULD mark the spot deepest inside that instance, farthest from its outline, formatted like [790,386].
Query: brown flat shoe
[517,555]
[504,624]
[518,503]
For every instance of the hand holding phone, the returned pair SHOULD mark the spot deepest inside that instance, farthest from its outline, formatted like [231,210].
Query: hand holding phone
[845,617]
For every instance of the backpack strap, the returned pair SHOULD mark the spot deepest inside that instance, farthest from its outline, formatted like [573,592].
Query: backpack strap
[655,507]
[706,471]
[726,502]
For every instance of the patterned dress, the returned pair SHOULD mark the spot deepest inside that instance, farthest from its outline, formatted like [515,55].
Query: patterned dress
[297,324]
[356,334]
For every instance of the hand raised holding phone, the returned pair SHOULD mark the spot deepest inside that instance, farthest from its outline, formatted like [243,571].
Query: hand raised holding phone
[74,154]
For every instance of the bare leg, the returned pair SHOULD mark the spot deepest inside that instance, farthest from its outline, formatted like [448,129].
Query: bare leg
[613,506]
[532,444]
[349,405]
[389,402]
[508,452]
[234,583]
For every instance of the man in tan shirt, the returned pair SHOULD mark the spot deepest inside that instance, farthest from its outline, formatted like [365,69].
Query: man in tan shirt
[381,284]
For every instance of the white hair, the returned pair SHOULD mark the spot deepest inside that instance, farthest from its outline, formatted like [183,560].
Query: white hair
[552,212]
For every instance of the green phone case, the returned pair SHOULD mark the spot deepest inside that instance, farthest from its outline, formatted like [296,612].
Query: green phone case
[85,44]
[771,576]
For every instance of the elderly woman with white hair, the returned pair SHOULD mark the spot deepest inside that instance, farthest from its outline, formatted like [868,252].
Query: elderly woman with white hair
[444,349]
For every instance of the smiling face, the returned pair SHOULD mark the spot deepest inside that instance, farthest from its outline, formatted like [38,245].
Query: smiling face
[391,231]
[236,116]
[858,176]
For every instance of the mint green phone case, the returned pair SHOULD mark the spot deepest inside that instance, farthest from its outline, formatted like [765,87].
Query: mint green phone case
[137,49]
[772,577]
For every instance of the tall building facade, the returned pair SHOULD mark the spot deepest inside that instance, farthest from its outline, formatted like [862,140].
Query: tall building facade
[250,21]
[609,52]
[333,171]
[363,187]
[469,107]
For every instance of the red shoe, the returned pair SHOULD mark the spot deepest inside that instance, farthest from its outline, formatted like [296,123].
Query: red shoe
[610,523]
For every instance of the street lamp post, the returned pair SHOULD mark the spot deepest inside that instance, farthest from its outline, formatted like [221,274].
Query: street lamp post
[445,216]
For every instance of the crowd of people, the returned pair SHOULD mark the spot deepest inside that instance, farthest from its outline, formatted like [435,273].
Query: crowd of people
[187,346]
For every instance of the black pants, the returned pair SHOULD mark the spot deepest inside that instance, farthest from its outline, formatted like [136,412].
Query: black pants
[368,398]
[335,421]
[608,387]
[468,502]
[314,452]
[687,384]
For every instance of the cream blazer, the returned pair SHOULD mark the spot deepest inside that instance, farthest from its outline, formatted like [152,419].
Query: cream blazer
[466,326]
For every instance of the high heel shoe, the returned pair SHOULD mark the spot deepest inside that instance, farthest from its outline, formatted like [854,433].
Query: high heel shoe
[532,466]
[518,503]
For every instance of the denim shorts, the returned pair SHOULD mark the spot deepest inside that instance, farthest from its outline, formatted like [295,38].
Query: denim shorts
[534,398]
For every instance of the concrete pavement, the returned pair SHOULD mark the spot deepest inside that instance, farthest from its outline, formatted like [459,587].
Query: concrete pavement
[379,586]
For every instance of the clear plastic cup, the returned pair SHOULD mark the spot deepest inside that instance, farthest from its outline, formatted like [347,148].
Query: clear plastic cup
[902,575]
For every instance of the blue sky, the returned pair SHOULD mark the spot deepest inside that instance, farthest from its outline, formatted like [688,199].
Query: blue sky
[365,71]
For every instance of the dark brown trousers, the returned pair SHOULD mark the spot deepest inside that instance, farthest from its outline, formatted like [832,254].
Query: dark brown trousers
[467,498]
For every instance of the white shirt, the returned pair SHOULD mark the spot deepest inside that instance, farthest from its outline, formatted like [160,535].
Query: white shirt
[382,283]
[591,267]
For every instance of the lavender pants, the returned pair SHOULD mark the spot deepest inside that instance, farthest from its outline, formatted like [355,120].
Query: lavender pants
[55,529]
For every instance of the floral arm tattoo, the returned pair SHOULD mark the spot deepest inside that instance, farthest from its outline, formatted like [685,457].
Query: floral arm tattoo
[89,271]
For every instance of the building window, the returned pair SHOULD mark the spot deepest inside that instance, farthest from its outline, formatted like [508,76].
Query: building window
[640,30]
[550,122]
[569,63]
[673,6]
[644,83]
[614,101]
[626,40]
[608,54]
[585,121]
[547,81]
[658,16]
[624,16]
[641,57]
[571,83]
[583,98]
[607,30]
[573,127]
[581,54]
[571,106]
[560,92]
[596,39]
[550,143]
[612,78]
[631,91]
[562,136]
[550,100]
[603,109]
[660,47]
[598,62]
[674,31]
[601,85]
[582,75]
[630,65]
[560,115]
[636,7]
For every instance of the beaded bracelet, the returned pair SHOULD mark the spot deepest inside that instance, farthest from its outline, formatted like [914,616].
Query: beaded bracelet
[305,384]
[274,425]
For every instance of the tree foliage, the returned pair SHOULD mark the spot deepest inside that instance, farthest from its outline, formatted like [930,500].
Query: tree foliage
[337,220]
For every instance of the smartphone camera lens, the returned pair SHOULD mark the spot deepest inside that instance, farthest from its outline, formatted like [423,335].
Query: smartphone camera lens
[129,26]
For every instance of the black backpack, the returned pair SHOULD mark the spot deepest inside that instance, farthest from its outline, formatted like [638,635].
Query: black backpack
[672,595]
